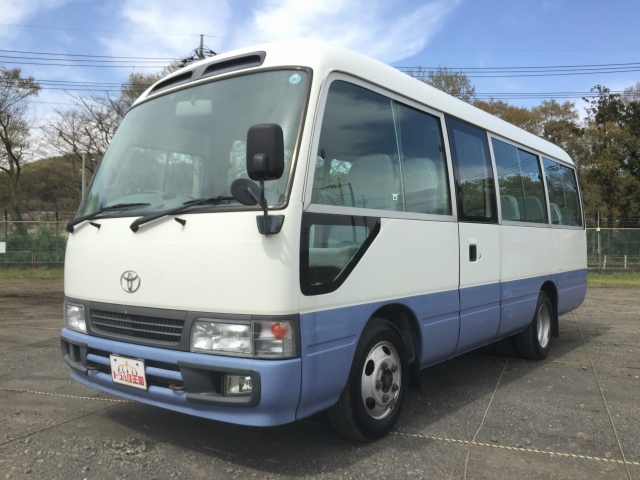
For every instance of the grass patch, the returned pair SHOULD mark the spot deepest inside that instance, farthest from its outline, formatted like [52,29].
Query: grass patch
[31,273]
[613,279]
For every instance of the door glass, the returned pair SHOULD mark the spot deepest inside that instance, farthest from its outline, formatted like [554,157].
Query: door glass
[520,182]
[473,172]
[330,248]
[425,180]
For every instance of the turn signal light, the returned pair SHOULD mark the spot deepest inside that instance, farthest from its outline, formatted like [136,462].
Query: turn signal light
[280,330]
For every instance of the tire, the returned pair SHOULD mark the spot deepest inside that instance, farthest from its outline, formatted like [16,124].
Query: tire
[534,343]
[376,389]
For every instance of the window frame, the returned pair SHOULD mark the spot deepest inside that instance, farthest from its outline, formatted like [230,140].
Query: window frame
[370,212]
[532,151]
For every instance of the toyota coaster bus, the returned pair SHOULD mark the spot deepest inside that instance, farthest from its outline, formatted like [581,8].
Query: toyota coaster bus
[293,227]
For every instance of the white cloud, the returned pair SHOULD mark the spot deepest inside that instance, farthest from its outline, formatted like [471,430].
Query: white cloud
[169,18]
[17,11]
[387,31]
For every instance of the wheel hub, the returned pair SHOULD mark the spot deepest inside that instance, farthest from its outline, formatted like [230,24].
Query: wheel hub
[380,383]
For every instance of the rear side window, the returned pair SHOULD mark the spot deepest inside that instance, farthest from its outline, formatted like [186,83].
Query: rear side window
[564,201]
[520,182]
[473,172]
[379,154]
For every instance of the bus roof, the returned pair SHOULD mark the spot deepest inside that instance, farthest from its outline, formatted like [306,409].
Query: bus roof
[324,59]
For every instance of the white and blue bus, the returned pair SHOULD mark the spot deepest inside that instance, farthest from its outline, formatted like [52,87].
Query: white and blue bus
[293,227]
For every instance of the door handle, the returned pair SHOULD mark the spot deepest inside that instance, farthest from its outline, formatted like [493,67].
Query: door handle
[473,253]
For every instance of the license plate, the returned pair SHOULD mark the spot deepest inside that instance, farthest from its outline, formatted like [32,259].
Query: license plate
[128,371]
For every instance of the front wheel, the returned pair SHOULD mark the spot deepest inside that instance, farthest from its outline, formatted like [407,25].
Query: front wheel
[372,400]
[535,342]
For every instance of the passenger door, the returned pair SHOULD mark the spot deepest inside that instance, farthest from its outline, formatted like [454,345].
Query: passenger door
[479,236]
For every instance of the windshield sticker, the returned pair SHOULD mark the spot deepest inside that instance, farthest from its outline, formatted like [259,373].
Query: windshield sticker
[295,79]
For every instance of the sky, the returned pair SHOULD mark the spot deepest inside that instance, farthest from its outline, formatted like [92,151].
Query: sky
[459,34]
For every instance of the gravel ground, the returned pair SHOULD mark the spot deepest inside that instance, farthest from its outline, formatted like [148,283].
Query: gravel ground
[484,415]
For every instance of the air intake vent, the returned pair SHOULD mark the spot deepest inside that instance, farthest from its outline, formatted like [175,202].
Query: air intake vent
[137,326]
[170,82]
[235,63]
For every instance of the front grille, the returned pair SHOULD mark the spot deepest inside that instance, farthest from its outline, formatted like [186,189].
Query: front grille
[137,326]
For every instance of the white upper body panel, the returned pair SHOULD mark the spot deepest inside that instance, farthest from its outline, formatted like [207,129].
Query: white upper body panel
[324,59]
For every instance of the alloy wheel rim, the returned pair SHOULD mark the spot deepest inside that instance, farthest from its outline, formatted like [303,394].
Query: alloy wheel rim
[544,325]
[380,381]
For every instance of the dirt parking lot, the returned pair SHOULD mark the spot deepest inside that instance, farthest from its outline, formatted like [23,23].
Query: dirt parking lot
[484,415]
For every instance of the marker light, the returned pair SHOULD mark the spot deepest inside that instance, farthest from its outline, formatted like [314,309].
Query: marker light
[273,339]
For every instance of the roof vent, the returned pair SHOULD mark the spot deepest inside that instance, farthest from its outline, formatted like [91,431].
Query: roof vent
[170,82]
[235,63]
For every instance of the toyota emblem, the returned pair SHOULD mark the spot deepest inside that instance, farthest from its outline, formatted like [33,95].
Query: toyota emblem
[130,281]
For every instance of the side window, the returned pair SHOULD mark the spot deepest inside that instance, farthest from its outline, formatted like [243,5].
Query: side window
[377,153]
[425,180]
[359,151]
[520,182]
[330,248]
[564,201]
[473,172]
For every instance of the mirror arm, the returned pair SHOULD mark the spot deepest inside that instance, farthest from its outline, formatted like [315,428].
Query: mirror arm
[267,223]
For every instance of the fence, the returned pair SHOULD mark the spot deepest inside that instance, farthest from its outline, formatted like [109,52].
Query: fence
[33,242]
[613,248]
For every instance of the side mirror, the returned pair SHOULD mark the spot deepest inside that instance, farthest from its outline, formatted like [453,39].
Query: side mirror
[265,152]
[265,161]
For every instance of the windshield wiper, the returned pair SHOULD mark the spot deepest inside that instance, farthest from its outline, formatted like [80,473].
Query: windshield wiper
[76,221]
[185,206]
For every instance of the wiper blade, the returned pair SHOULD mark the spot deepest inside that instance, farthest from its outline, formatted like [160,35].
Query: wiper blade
[185,206]
[76,221]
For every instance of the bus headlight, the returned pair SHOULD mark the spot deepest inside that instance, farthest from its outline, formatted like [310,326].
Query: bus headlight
[260,339]
[217,337]
[74,317]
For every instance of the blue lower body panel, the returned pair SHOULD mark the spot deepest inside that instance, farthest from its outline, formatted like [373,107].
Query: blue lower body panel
[279,381]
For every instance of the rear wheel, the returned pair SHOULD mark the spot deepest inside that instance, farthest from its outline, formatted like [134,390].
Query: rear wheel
[372,400]
[535,342]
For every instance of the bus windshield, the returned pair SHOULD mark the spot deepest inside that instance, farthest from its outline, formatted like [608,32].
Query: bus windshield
[191,143]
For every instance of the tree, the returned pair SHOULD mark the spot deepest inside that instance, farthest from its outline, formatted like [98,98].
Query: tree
[89,125]
[454,83]
[519,116]
[15,126]
[611,139]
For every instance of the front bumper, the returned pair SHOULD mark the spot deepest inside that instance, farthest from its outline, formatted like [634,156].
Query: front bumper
[273,401]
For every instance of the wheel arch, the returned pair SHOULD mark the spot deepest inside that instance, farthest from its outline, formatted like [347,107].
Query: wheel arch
[403,318]
[551,290]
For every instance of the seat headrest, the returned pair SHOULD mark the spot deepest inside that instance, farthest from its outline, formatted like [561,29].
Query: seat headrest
[510,210]
[419,174]
[372,171]
[533,208]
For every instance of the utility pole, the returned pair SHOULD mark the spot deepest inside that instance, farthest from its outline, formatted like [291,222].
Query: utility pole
[83,174]
[200,51]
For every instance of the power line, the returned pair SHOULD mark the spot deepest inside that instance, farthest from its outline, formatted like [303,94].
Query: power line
[96,30]
[533,67]
[85,65]
[83,55]
[84,60]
